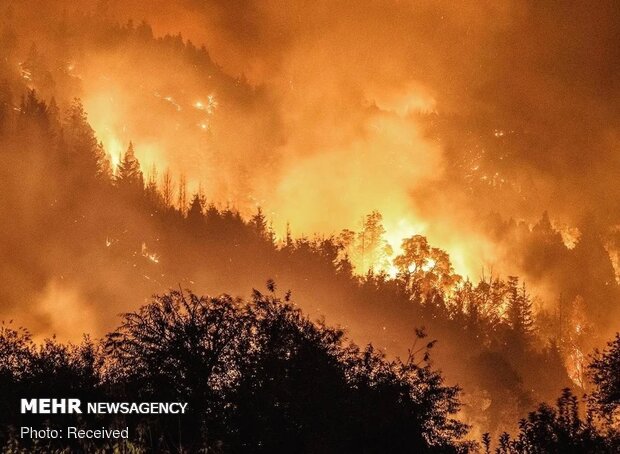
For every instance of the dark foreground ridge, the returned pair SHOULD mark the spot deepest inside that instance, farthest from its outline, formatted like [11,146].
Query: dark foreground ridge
[258,376]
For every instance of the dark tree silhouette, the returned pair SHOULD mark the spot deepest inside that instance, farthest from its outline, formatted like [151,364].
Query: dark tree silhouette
[262,377]
[129,176]
[559,430]
[605,374]
[519,310]
[563,428]
[84,152]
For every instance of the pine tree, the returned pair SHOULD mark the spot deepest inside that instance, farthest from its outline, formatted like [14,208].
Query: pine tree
[34,109]
[104,168]
[167,190]
[85,153]
[195,213]
[129,174]
[53,114]
[259,223]
[151,190]
[288,239]
[519,311]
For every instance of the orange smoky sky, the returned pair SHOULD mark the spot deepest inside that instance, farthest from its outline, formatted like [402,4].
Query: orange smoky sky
[435,113]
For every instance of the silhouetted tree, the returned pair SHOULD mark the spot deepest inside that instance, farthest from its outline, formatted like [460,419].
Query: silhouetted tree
[129,175]
[519,308]
[262,377]
[605,374]
[195,215]
[85,153]
[167,189]
[259,223]
[558,430]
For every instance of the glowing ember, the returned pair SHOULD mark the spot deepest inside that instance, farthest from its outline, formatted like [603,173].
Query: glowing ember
[153,257]
[209,106]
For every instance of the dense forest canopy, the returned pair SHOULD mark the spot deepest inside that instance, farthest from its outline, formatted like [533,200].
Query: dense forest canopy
[133,161]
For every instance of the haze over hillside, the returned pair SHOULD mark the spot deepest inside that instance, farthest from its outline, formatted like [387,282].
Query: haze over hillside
[392,166]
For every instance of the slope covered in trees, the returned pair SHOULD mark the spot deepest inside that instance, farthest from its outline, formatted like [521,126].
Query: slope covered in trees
[84,244]
[84,239]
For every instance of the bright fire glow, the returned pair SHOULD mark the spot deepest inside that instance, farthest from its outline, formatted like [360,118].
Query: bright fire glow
[152,256]
[208,106]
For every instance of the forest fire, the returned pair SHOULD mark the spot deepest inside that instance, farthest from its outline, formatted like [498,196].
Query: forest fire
[435,181]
